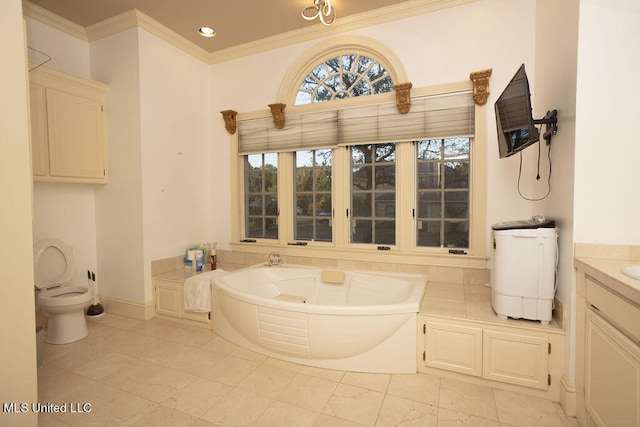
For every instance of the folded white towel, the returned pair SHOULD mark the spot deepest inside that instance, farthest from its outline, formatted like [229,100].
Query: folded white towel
[197,291]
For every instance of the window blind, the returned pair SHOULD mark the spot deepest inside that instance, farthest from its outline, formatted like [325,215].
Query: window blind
[301,132]
[429,117]
[439,116]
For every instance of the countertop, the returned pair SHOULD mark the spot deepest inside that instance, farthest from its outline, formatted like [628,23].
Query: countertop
[609,273]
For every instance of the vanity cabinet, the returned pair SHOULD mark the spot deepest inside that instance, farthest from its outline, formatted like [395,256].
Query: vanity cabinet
[612,374]
[68,127]
[493,352]
[609,368]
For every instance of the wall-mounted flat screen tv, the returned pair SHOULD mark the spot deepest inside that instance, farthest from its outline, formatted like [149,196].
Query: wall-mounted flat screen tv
[514,119]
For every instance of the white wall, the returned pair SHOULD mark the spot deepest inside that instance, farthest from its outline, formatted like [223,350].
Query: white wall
[18,373]
[67,53]
[114,60]
[607,206]
[157,201]
[178,154]
[555,88]
[67,212]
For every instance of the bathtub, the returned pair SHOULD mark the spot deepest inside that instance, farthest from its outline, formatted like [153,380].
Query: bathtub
[345,320]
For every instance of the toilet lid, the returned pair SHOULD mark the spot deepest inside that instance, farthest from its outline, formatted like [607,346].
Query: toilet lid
[53,263]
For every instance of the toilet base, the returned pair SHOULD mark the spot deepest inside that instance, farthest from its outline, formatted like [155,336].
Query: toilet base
[64,328]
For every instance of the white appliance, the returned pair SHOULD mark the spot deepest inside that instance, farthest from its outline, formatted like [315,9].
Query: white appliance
[523,278]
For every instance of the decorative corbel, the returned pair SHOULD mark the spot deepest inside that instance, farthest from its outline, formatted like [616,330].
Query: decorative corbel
[277,111]
[229,117]
[480,81]
[403,97]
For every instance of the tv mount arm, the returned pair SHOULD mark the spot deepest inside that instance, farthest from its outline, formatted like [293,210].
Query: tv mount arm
[551,120]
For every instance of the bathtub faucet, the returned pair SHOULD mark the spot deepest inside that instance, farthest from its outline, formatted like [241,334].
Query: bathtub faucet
[274,259]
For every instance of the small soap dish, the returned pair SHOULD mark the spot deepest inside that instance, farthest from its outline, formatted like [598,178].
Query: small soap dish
[632,271]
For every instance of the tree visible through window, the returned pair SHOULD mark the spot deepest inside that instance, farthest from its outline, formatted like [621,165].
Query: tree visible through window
[443,193]
[313,217]
[344,76]
[261,199]
[373,193]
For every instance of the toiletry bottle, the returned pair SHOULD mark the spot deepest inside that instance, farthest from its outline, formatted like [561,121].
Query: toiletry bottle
[199,260]
[213,259]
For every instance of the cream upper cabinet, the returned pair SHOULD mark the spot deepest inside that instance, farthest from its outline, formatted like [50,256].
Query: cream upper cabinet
[68,127]
[39,139]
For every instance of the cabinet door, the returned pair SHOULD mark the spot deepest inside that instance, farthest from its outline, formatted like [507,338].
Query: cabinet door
[196,316]
[612,375]
[168,299]
[39,137]
[516,359]
[76,135]
[454,348]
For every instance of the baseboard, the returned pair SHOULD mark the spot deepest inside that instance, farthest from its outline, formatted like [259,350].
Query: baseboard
[567,397]
[134,310]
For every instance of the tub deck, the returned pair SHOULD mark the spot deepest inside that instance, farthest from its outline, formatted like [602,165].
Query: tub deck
[472,302]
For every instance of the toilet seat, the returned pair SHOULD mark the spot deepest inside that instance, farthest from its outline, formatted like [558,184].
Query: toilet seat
[60,301]
[54,263]
[63,296]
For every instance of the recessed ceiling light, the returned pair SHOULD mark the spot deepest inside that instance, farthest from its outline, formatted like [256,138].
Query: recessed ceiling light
[206,32]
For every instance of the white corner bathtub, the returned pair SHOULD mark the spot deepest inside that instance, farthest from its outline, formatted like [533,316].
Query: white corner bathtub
[358,321]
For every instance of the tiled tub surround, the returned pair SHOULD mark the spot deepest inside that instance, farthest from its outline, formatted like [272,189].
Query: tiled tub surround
[235,260]
[458,300]
[163,373]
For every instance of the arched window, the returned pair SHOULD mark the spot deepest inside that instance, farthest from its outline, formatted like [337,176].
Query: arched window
[344,67]
[344,76]
[345,171]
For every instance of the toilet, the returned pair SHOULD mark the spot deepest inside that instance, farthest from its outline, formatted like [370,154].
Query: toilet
[63,303]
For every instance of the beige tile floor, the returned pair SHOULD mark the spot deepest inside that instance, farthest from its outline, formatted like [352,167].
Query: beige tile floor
[160,372]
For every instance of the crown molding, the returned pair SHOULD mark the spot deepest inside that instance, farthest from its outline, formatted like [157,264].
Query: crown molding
[135,18]
[51,19]
[113,25]
[341,25]
[168,35]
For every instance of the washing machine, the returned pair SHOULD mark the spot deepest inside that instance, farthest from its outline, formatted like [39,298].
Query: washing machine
[523,277]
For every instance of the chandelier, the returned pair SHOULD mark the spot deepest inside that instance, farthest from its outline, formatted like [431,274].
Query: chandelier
[321,9]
